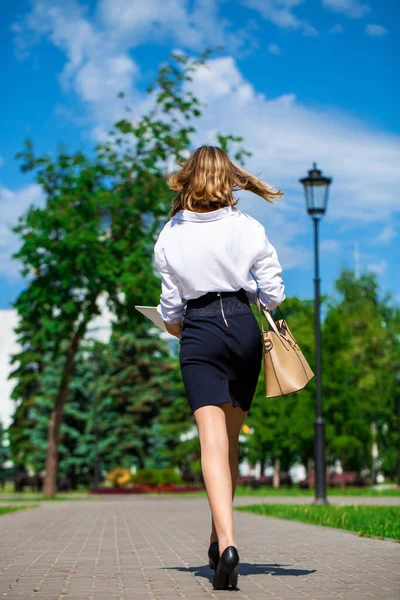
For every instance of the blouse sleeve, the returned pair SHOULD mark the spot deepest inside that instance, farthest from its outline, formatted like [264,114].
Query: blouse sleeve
[267,271]
[171,306]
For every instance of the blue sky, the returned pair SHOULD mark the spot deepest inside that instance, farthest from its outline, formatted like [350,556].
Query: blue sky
[300,80]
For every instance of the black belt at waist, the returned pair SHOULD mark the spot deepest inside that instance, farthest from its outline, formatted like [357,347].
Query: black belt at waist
[214,304]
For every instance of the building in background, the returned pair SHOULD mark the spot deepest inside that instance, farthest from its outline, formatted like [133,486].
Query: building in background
[99,329]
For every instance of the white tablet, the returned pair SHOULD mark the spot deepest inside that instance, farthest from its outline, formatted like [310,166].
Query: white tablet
[152,313]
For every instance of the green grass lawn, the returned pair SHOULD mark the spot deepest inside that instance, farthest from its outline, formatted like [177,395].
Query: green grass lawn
[247,490]
[5,510]
[381,521]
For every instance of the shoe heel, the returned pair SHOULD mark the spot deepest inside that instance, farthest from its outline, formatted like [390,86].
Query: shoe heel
[220,580]
[225,578]
[233,578]
[226,573]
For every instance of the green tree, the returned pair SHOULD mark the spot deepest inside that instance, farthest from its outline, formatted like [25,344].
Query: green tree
[137,382]
[76,447]
[360,351]
[4,454]
[283,427]
[176,426]
[360,383]
[300,316]
[96,232]
[93,234]
[27,374]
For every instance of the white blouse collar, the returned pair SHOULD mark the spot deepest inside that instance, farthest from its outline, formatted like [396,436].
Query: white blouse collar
[214,215]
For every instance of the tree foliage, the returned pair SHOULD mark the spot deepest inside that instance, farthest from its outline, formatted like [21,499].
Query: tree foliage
[360,383]
[94,236]
[124,401]
[360,354]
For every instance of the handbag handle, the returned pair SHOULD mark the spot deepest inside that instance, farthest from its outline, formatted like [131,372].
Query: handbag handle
[269,318]
[271,323]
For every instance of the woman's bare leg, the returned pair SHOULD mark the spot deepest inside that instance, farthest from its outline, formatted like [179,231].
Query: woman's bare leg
[214,442]
[234,418]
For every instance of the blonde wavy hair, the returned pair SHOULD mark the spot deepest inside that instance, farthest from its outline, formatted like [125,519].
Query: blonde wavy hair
[207,180]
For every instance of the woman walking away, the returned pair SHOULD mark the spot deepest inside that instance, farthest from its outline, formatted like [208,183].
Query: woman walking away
[213,260]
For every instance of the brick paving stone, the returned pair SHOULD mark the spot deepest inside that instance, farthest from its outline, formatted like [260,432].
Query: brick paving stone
[155,548]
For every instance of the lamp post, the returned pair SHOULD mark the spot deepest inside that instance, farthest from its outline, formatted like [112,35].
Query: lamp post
[316,188]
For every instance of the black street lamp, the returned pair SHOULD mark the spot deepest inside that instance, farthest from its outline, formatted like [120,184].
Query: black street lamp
[316,188]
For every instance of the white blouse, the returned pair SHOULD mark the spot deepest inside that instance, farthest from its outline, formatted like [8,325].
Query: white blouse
[222,250]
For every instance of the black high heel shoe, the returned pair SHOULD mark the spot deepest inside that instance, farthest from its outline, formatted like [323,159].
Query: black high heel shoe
[226,573]
[213,555]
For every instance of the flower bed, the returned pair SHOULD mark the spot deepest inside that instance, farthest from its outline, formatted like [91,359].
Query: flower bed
[145,489]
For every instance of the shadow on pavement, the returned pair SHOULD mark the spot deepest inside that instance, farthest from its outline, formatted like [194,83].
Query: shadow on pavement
[251,569]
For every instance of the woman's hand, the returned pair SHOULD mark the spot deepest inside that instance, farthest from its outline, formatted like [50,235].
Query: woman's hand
[174,329]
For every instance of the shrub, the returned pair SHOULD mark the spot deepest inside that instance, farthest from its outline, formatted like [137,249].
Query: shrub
[196,467]
[119,477]
[147,476]
[169,476]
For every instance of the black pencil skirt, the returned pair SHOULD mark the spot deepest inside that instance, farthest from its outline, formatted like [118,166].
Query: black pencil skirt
[220,350]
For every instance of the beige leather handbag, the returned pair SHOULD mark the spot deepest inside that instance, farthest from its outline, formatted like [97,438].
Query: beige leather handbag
[286,369]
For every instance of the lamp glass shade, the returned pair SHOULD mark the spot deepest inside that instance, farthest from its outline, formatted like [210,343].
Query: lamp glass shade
[316,189]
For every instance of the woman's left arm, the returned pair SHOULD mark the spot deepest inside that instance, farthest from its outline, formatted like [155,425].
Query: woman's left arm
[267,271]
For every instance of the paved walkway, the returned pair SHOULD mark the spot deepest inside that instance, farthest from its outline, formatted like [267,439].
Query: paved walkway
[155,548]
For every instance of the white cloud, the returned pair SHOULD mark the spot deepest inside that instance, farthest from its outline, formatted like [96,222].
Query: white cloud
[12,205]
[329,245]
[97,66]
[98,81]
[280,13]
[97,46]
[375,30]
[336,28]
[351,8]
[379,267]
[287,136]
[132,22]
[387,234]
[274,49]
[142,18]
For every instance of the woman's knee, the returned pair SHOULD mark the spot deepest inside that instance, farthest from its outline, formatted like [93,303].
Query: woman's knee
[217,446]
[211,425]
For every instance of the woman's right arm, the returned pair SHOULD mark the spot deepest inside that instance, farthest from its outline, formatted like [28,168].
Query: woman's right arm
[267,271]
[171,306]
